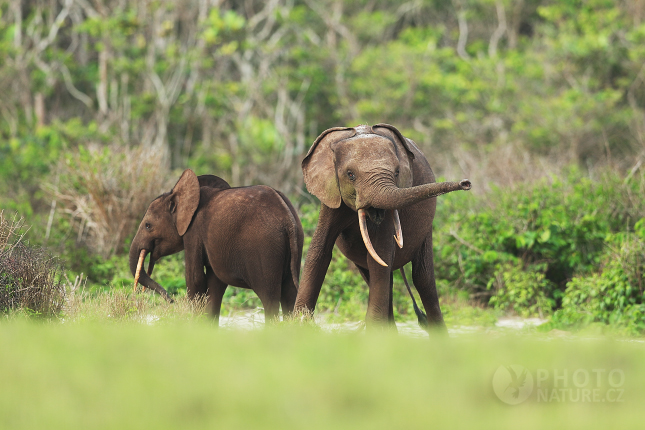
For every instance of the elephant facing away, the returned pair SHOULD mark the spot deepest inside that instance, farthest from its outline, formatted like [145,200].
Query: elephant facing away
[248,237]
[376,188]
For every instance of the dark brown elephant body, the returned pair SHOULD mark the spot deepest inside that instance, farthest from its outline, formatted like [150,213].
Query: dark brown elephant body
[248,237]
[383,176]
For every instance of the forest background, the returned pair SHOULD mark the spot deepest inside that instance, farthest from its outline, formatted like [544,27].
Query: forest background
[540,103]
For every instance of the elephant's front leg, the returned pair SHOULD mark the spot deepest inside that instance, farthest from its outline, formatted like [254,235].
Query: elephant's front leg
[390,311]
[195,276]
[379,305]
[330,224]
[366,277]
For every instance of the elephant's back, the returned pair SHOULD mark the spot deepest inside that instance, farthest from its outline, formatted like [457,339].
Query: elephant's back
[256,209]
[246,228]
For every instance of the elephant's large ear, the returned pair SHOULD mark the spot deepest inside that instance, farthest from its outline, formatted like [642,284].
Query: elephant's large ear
[403,149]
[184,200]
[319,169]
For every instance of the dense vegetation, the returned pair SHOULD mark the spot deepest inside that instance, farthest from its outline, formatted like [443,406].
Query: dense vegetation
[540,103]
[571,245]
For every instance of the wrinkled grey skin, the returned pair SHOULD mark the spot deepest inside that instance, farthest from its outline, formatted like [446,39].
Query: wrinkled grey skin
[248,237]
[378,170]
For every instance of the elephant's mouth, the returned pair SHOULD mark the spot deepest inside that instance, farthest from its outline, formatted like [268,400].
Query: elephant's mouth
[136,266]
[153,259]
[376,215]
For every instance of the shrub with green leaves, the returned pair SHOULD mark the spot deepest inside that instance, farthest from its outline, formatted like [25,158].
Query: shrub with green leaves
[519,249]
[614,295]
[526,292]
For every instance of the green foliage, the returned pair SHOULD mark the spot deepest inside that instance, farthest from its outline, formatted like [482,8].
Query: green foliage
[231,88]
[614,295]
[26,161]
[525,292]
[532,249]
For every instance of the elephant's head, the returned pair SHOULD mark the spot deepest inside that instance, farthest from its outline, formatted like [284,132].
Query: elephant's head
[370,169]
[165,222]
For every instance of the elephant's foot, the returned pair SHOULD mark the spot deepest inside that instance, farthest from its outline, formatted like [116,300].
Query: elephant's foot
[373,325]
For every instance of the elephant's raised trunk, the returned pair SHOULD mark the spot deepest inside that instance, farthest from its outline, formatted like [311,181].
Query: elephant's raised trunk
[397,198]
[393,198]
[136,262]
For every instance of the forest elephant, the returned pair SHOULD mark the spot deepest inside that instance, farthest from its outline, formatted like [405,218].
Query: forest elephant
[248,237]
[375,188]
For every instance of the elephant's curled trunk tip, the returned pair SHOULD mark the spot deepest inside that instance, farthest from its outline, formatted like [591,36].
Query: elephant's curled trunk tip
[465,184]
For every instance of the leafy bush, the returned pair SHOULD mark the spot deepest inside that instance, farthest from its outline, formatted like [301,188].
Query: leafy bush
[614,295]
[517,249]
[525,291]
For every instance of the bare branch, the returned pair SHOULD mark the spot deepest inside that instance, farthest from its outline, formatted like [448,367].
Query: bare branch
[463,35]
[79,95]
[499,31]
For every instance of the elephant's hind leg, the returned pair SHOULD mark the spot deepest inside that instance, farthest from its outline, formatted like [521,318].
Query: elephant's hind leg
[266,280]
[288,294]
[424,281]
[271,304]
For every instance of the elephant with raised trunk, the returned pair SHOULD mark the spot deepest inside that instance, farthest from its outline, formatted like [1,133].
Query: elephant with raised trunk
[249,237]
[376,188]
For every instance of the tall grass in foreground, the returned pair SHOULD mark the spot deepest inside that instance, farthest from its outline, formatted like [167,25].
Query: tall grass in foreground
[191,375]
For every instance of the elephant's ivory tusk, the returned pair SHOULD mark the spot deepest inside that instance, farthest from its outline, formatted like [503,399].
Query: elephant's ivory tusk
[398,235]
[142,256]
[362,222]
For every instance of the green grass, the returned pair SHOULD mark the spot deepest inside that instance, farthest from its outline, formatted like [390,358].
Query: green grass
[188,374]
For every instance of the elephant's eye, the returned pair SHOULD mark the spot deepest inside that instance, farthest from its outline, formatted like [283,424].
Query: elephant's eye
[396,173]
[148,226]
[351,175]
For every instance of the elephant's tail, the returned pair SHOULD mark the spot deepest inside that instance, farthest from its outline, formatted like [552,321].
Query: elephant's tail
[421,316]
[296,238]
